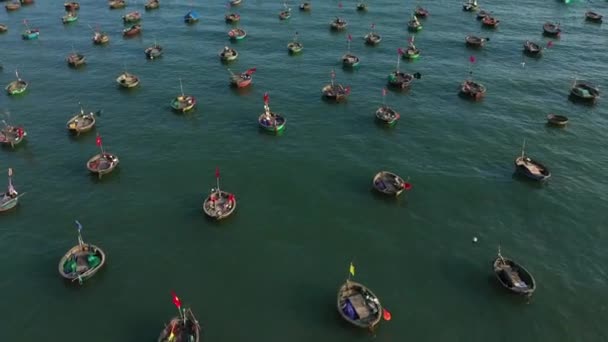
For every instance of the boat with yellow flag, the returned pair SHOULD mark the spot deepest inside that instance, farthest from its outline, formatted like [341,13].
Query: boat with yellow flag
[182,328]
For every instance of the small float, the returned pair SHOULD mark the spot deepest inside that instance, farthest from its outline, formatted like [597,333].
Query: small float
[489,21]
[100,38]
[116,4]
[154,51]
[270,121]
[390,184]
[12,6]
[551,29]
[132,31]
[152,4]
[532,48]
[76,60]
[584,91]
[191,17]
[593,17]
[243,79]
[513,276]
[557,120]
[81,122]
[414,25]
[372,38]
[232,18]
[295,46]
[181,328]
[237,34]
[285,13]
[10,198]
[530,168]
[12,136]
[421,12]
[470,6]
[102,163]
[228,54]
[472,90]
[131,18]
[69,17]
[219,204]
[386,114]
[474,41]
[338,24]
[358,305]
[127,80]
[82,261]
[305,6]
[362,6]
[183,103]
[335,92]
[17,86]
[71,6]
[482,14]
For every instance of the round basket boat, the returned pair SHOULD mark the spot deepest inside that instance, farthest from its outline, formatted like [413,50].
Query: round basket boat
[219,204]
[295,47]
[557,120]
[81,262]
[81,123]
[387,116]
[183,103]
[178,331]
[389,183]
[127,80]
[272,122]
[76,60]
[102,164]
[358,305]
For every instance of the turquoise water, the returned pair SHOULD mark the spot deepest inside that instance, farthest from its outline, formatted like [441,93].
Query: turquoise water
[305,207]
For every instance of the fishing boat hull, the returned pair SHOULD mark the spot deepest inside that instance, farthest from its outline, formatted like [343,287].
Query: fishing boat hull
[273,127]
[12,6]
[421,12]
[584,92]
[127,81]
[232,18]
[132,31]
[414,27]
[3,28]
[532,49]
[350,61]
[361,7]
[531,169]
[557,120]
[8,203]
[154,52]
[472,90]
[81,123]
[551,30]
[330,94]
[150,5]
[16,87]
[295,48]
[338,26]
[387,116]
[26,2]
[358,305]
[388,183]
[102,165]
[285,15]
[489,22]
[71,6]
[372,39]
[514,277]
[228,57]
[30,35]
[189,333]
[469,7]
[10,137]
[475,42]
[235,2]
[400,80]
[305,7]
[218,206]
[81,262]
[482,14]
[101,39]
[117,4]
[239,82]
[76,60]
[411,53]
[183,103]
[593,17]
[237,35]
[191,18]
[69,19]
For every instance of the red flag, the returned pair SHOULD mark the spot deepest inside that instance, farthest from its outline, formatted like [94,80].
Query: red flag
[266,98]
[176,300]
[251,71]
[400,51]
[472,59]
[386,314]
[549,44]
[407,186]
[20,132]
[339,4]
[217,172]
[350,38]
[98,140]
[347,90]
[383,91]
[231,198]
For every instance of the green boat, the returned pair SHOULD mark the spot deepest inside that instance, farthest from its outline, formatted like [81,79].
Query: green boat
[269,121]
[16,87]
[70,17]
[411,52]
[387,115]
[82,261]
[295,46]
[30,34]
[237,34]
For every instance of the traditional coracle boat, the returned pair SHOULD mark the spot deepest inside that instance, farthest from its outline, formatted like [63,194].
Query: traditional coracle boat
[102,163]
[361,6]
[305,6]
[474,41]
[16,87]
[421,12]
[71,6]
[390,184]
[593,17]
[532,49]
[12,136]
[295,46]
[372,38]
[235,2]
[530,168]
[12,6]
[127,80]
[116,4]
[154,51]
[551,29]
[513,276]
[557,120]
[182,328]
[219,204]
[472,90]
[237,34]
[584,91]
[387,115]
[414,25]
[338,24]
[489,21]
[30,34]
[470,6]
[285,14]
[69,17]
[411,52]
[228,54]
[402,80]
[100,38]
[152,4]
[243,79]
[132,17]
[82,261]
[336,92]
[191,17]
[270,121]
[76,60]
[358,305]
[10,198]
[183,103]
[350,61]
[482,14]
[232,18]
[3,28]
[81,122]
[132,31]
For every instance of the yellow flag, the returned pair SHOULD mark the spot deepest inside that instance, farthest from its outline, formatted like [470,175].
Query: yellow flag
[172,337]
[352,269]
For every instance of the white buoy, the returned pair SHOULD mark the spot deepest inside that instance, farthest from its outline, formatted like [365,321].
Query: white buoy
[474,239]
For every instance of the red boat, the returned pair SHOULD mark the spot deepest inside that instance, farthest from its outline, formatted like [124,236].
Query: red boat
[132,31]
[243,80]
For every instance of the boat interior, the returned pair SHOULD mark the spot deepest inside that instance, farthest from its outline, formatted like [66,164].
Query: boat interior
[359,305]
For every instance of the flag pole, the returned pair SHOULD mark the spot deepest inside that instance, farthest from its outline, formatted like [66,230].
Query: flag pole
[217,178]
[398,59]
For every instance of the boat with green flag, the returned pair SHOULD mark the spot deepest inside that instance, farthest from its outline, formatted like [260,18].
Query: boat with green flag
[183,103]
[269,121]
[82,261]
[182,328]
[10,198]
[16,87]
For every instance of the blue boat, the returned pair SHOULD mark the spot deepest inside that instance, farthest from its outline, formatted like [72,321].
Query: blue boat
[191,17]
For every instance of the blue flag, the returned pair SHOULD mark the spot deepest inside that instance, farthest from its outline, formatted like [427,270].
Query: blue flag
[79,226]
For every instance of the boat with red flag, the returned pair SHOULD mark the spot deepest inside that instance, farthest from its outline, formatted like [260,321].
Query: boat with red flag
[338,24]
[400,79]
[334,91]
[386,114]
[350,60]
[10,198]
[243,79]
[12,136]
[102,163]
[182,328]
[372,38]
[132,31]
[219,204]
[411,52]
[389,183]
[270,121]
[82,261]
